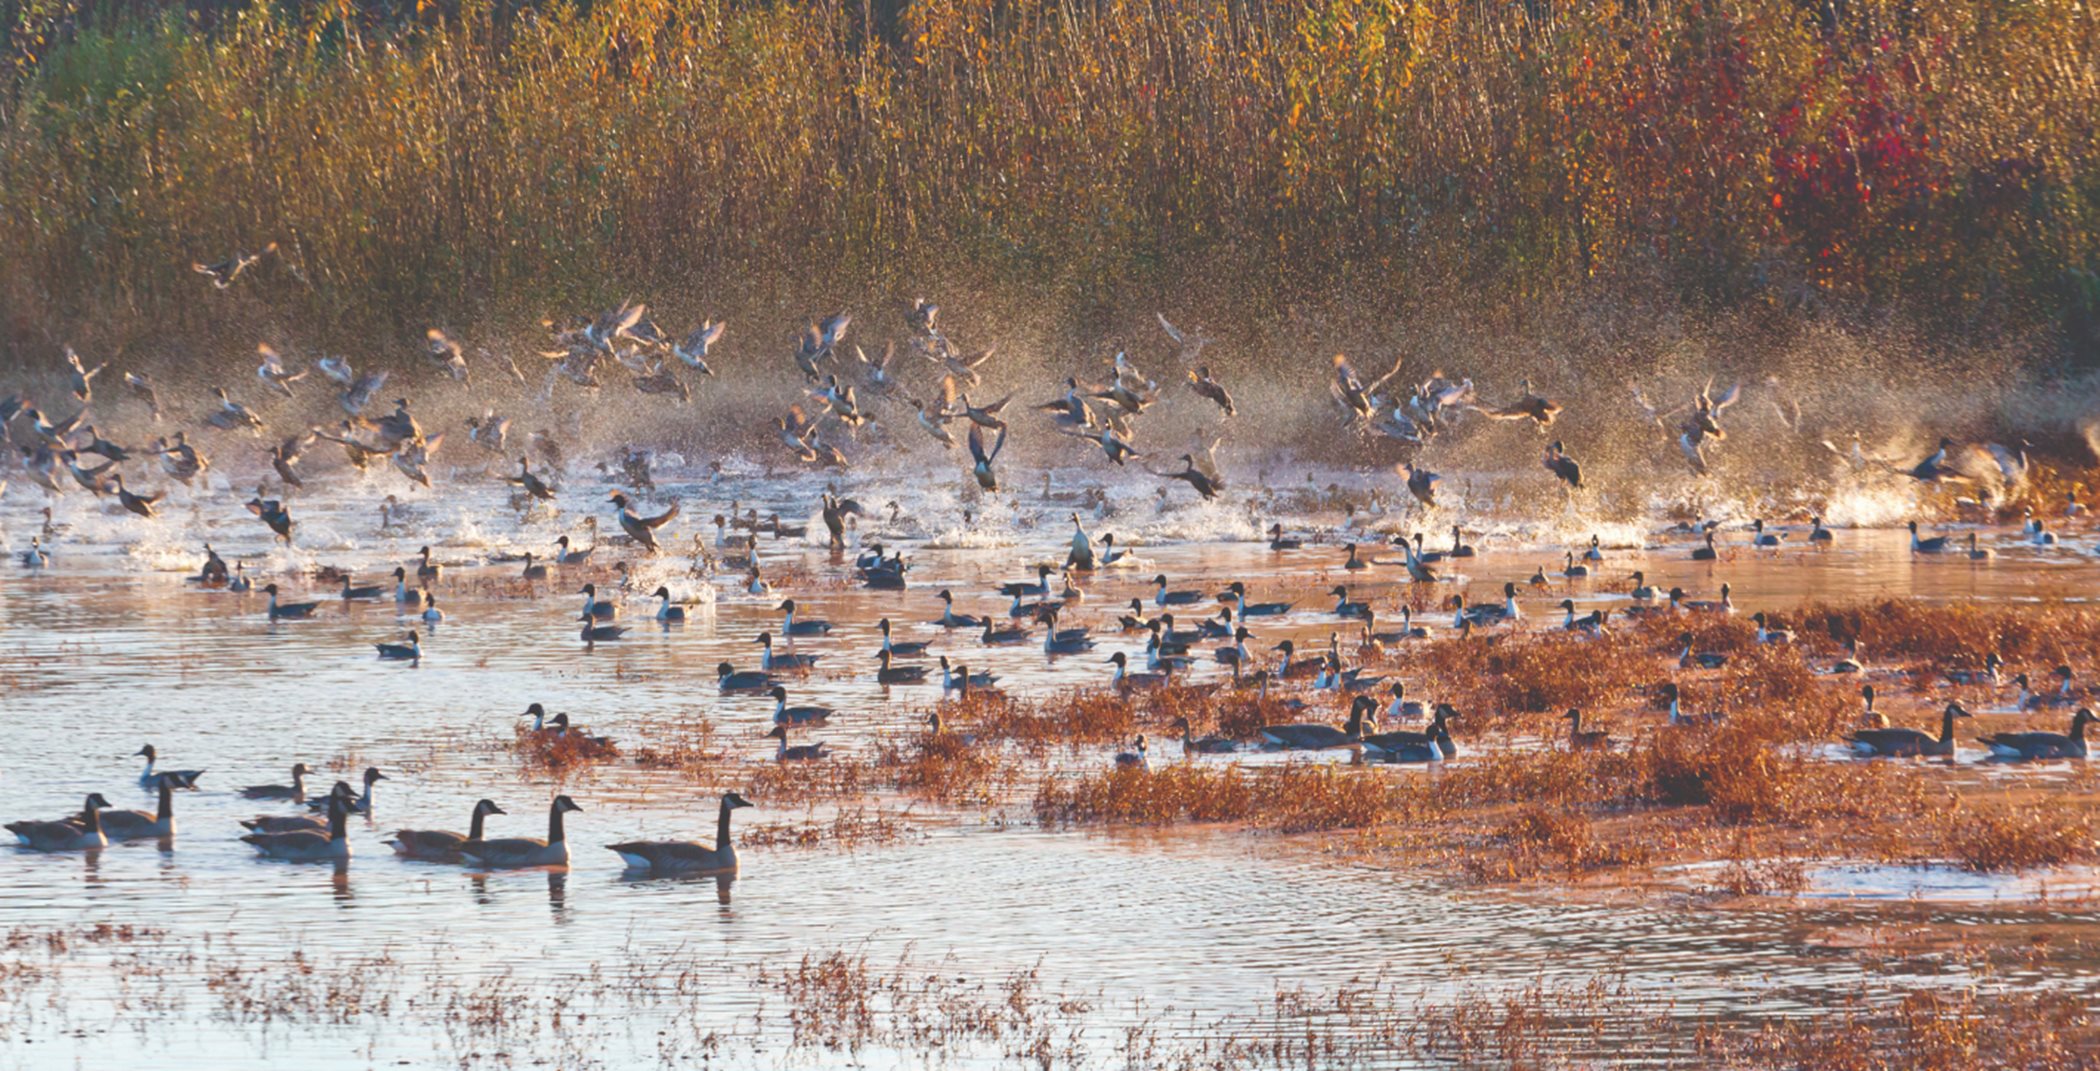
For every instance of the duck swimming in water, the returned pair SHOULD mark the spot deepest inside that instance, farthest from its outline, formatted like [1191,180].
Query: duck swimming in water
[150,776]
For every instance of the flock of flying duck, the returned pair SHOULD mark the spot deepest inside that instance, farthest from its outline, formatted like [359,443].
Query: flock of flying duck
[844,391]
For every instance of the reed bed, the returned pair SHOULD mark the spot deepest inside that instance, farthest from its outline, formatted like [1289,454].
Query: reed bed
[478,162]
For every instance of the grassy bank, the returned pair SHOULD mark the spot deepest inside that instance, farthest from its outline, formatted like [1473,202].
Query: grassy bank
[1079,161]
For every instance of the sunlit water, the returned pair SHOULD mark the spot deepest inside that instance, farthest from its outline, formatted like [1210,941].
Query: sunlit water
[110,648]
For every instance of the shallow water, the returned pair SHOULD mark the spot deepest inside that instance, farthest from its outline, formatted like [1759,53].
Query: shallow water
[110,648]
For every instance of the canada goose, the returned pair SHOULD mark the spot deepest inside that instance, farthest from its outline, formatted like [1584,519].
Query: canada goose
[291,611]
[286,823]
[894,674]
[2039,745]
[1688,658]
[138,825]
[1870,718]
[791,627]
[412,651]
[1134,760]
[1901,742]
[1681,719]
[597,608]
[730,679]
[296,791]
[1935,545]
[1852,662]
[149,776]
[1208,745]
[1819,534]
[362,803]
[787,715]
[950,619]
[797,753]
[1571,569]
[1580,739]
[1126,681]
[513,852]
[665,612]
[438,845]
[1353,562]
[1766,634]
[306,846]
[1979,554]
[1707,552]
[66,835]
[1315,736]
[592,632]
[685,856]
[1278,541]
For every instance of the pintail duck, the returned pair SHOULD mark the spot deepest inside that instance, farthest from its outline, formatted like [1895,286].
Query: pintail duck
[1134,759]
[403,594]
[665,612]
[296,791]
[1315,736]
[431,614]
[1687,658]
[1292,668]
[1589,622]
[442,846]
[67,834]
[1987,675]
[1641,591]
[354,594]
[2060,697]
[1725,605]
[140,825]
[950,619]
[1571,569]
[954,679]
[981,459]
[1680,719]
[1761,538]
[1236,593]
[1489,613]
[411,651]
[1936,545]
[894,674]
[362,803]
[1236,655]
[570,554]
[294,611]
[1058,641]
[907,649]
[274,515]
[1343,608]
[1036,588]
[806,715]
[1852,662]
[1278,541]
[594,607]
[730,679]
[151,776]
[1408,630]
[1580,739]
[1126,681]
[1819,534]
[1208,745]
[1421,483]
[1707,552]
[639,528]
[134,503]
[35,557]
[1431,745]
[771,662]
[1402,708]
[798,752]
[1977,553]
[2039,745]
[685,856]
[304,846]
[592,632]
[1768,634]
[509,853]
[791,627]
[1902,742]
[1004,637]
[239,583]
